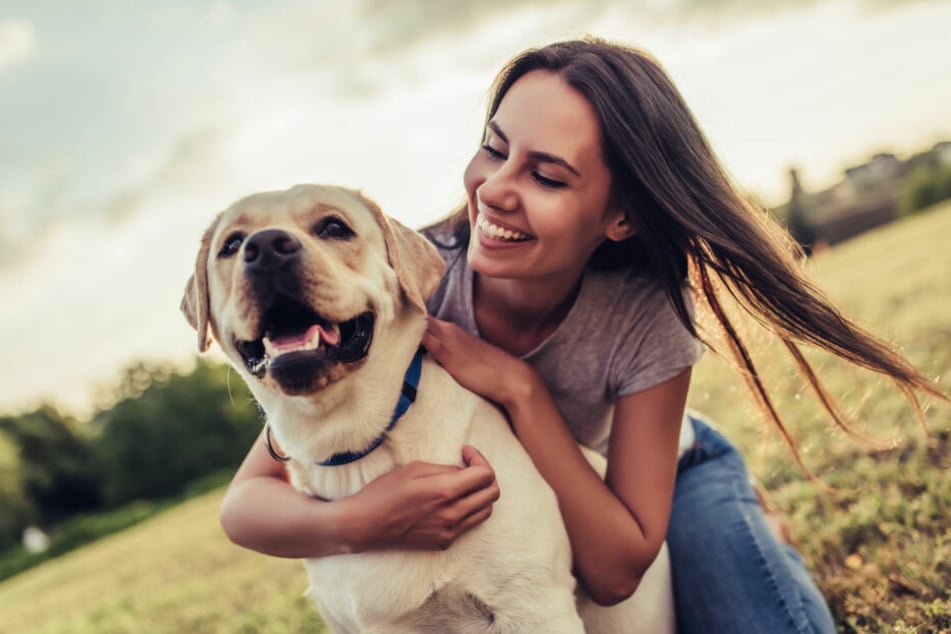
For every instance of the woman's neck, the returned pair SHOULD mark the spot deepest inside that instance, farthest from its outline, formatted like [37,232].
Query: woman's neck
[518,315]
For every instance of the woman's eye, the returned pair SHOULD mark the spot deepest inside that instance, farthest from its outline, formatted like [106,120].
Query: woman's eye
[548,182]
[231,245]
[333,228]
[492,152]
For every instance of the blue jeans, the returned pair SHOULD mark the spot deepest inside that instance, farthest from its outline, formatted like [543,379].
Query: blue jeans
[730,572]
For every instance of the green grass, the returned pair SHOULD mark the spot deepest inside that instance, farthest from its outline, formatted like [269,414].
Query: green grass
[878,541]
[173,573]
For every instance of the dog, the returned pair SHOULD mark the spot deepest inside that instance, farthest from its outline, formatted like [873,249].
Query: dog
[317,299]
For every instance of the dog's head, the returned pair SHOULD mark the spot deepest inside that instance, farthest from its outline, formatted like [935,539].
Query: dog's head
[296,285]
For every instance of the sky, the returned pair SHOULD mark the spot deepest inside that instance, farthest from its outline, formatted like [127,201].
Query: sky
[126,126]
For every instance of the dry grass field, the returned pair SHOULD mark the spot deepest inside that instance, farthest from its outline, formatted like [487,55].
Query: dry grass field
[877,534]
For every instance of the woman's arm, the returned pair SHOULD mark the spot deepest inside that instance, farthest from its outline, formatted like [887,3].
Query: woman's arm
[419,506]
[617,526]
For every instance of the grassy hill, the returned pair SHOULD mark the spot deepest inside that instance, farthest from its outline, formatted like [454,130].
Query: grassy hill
[878,539]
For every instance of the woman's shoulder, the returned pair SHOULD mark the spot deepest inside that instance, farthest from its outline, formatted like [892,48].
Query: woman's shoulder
[630,302]
[447,234]
[630,288]
[448,301]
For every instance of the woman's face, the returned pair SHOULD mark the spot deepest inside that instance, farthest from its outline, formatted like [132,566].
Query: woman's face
[538,189]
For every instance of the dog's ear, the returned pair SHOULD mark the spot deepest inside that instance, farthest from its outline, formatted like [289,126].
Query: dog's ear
[417,263]
[196,302]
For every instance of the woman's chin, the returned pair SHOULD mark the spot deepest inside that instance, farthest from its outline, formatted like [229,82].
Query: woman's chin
[492,264]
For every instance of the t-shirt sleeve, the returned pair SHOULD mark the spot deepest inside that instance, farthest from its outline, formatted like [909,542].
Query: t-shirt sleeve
[656,347]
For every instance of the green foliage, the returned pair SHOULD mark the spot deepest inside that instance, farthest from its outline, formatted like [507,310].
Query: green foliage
[164,432]
[169,429]
[927,185]
[15,507]
[58,469]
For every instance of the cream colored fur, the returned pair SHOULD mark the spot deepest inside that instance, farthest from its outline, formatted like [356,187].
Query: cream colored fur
[510,574]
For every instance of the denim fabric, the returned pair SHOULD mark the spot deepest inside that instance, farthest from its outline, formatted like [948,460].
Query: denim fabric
[730,572]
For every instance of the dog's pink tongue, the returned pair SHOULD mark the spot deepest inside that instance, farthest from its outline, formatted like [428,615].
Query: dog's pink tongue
[314,334]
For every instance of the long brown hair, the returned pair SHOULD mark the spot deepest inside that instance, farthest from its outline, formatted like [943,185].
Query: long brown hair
[690,219]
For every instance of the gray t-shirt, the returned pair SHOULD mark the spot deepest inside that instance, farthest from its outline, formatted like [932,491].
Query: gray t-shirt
[621,336]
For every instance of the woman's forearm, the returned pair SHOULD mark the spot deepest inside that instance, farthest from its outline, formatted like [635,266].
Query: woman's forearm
[418,506]
[266,514]
[612,544]
[611,551]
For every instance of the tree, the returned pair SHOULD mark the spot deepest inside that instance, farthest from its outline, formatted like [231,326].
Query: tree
[798,222]
[16,512]
[172,429]
[927,185]
[58,467]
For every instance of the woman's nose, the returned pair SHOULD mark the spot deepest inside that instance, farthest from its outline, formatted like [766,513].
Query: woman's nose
[499,190]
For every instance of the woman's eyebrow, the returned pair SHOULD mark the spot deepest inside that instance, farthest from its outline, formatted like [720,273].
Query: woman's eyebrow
[535,155]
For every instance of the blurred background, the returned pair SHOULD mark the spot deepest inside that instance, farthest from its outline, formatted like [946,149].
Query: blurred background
[126,126]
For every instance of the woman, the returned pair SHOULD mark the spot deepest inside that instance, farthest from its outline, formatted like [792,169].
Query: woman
[591,201]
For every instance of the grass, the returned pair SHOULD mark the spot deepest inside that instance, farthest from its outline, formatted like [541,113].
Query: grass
[82,529]
[878,538]
[173,573]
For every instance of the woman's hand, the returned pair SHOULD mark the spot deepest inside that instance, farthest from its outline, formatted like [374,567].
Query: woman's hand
[424,506]
[479,366]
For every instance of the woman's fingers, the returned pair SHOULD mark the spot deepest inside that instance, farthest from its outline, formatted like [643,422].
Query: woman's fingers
[427,506]
[473,457]
[475,364]
[454,517]
[463,481]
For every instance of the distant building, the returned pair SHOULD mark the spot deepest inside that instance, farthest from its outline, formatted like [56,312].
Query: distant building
[868,196]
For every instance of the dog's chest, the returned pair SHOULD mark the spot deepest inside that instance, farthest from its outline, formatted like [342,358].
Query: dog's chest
[332,483]
[376,589]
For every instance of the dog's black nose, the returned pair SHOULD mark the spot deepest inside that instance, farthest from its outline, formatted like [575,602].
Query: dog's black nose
[270,249]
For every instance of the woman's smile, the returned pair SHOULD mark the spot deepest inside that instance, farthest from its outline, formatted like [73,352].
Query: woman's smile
[496,231]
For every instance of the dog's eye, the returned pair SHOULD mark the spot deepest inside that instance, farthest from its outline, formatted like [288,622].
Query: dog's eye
[333,228]
[231,245]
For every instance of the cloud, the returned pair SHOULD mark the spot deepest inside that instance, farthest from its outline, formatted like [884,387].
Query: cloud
[396,24]
[17,42]
[220,14]
[196,156]
[26,234]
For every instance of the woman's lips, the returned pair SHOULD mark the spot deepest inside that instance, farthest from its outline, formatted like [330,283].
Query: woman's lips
[499,233]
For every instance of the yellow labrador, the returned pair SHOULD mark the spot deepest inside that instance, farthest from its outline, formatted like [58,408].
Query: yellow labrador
[317,298]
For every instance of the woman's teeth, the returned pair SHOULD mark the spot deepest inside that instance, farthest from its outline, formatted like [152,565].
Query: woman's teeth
[500,233]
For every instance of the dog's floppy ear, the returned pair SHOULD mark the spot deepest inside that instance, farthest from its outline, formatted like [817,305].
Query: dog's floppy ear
[196,302]
[417,263]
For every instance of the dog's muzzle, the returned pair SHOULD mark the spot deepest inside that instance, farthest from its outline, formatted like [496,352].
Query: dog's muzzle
[296,345]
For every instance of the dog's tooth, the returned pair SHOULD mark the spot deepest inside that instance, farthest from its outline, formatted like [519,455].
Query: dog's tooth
[260,365]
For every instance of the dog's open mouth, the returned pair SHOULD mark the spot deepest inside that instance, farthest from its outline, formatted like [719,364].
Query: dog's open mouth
[295,336]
